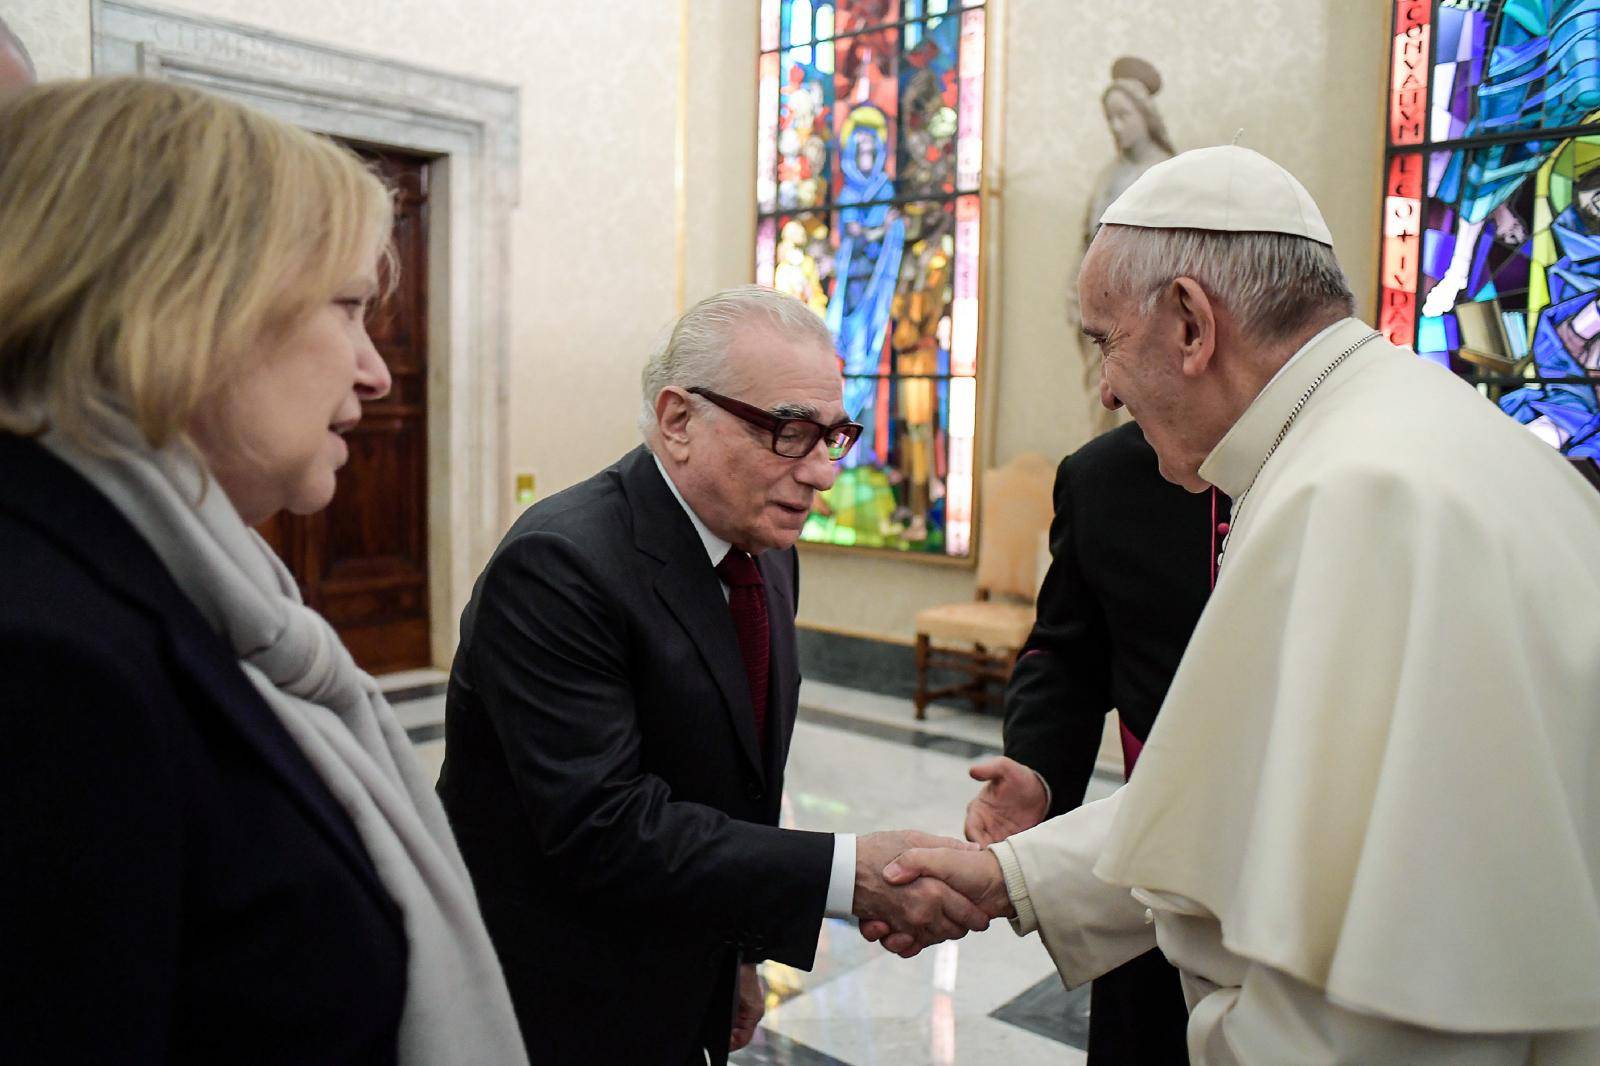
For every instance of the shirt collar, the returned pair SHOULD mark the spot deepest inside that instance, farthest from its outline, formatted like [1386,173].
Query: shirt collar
[1236,458]
[716,547]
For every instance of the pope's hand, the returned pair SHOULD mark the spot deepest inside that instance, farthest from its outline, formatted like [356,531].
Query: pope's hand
[974,874]
[916,915]
[1012,799]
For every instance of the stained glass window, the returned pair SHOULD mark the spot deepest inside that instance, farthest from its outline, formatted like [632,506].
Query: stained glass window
[868,206]
[1491,217]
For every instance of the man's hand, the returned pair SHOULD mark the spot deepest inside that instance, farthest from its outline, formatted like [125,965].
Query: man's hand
[914,914]
[749,1004]
[1012,799]
[973,873]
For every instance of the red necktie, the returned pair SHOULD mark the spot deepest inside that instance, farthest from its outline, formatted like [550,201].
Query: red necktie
[747,602]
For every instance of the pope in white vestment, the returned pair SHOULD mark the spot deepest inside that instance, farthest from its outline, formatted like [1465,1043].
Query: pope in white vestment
[1366,825]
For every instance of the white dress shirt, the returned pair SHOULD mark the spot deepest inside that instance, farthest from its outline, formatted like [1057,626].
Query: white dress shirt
[842,879]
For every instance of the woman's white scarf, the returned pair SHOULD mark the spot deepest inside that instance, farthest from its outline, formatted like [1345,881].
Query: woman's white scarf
[457,1009]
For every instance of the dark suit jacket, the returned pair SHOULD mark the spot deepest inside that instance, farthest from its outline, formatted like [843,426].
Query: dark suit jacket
[176,883]
[1129,575]
[605,782]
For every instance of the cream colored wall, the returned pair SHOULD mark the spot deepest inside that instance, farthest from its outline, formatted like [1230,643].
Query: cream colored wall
[721,152]
[598,259]
[56,33]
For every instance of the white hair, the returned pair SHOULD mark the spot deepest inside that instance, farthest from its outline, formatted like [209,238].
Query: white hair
[1273,283]
[693,351]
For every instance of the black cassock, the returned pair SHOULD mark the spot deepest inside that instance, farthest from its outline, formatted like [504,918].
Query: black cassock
[1130,573]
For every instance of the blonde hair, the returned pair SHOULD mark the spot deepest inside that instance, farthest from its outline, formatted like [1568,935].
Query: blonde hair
[153,238]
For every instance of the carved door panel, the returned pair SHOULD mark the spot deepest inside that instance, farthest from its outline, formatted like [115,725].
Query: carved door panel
[363,561]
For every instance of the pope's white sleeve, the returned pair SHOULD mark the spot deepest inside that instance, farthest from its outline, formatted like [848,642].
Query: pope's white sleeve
[1087,925]
[1273,1018]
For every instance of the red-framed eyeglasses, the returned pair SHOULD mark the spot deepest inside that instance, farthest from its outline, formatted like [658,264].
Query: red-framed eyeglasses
[792,438]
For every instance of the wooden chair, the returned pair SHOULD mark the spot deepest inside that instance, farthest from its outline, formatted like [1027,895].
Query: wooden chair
[981,638]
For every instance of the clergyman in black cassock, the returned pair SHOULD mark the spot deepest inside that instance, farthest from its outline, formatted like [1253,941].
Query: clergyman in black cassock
[1129,575]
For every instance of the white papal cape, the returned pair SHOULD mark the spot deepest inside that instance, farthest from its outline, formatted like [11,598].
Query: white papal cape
[1366,826]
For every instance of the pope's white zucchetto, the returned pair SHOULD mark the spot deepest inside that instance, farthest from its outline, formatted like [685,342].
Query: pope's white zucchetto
[1225,188]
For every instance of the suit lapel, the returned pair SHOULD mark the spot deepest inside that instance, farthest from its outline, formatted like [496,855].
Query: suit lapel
[689,587]
[54,498]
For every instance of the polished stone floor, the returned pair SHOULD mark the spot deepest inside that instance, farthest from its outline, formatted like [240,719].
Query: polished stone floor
[859,762]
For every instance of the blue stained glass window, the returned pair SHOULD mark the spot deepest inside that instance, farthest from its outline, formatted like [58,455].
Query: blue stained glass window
[870,226]
[1491,233]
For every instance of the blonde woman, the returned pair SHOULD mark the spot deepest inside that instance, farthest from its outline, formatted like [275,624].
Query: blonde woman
[218,846]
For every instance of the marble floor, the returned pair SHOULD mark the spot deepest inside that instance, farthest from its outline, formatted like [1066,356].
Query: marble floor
[860,762]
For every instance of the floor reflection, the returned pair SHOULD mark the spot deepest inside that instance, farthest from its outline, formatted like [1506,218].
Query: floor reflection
[858,764]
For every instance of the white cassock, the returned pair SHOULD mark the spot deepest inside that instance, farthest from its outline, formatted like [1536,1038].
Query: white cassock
[1366,826]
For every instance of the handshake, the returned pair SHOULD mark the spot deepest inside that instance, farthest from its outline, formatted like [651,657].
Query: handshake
[915,889]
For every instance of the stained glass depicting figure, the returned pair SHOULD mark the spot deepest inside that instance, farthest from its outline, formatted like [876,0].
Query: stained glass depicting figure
[805,120]
[856,15]
[1508,265]
[875,99]
[866,99]
[928,108]
[921,345]
[804,260]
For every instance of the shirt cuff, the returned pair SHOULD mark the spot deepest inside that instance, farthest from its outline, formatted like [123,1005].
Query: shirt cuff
[1016,887]
[1049,800]
[842,879]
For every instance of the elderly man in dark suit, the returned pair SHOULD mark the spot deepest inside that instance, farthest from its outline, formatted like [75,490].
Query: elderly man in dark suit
[621,705]
[1130,573]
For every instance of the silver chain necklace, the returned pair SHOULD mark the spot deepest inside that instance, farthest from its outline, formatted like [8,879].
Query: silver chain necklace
[1294,413]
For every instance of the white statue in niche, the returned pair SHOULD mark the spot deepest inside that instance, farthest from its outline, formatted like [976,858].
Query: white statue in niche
[1142,142]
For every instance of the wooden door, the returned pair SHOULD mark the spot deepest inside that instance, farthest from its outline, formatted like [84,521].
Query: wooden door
[363,562]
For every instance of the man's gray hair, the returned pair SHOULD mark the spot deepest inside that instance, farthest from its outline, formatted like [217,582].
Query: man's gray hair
[694,350]
[1273,283]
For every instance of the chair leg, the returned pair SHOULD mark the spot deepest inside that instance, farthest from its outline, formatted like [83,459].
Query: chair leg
[921,697]
[979,682]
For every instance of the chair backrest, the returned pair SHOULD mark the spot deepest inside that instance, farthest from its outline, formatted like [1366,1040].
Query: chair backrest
[1014,516]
